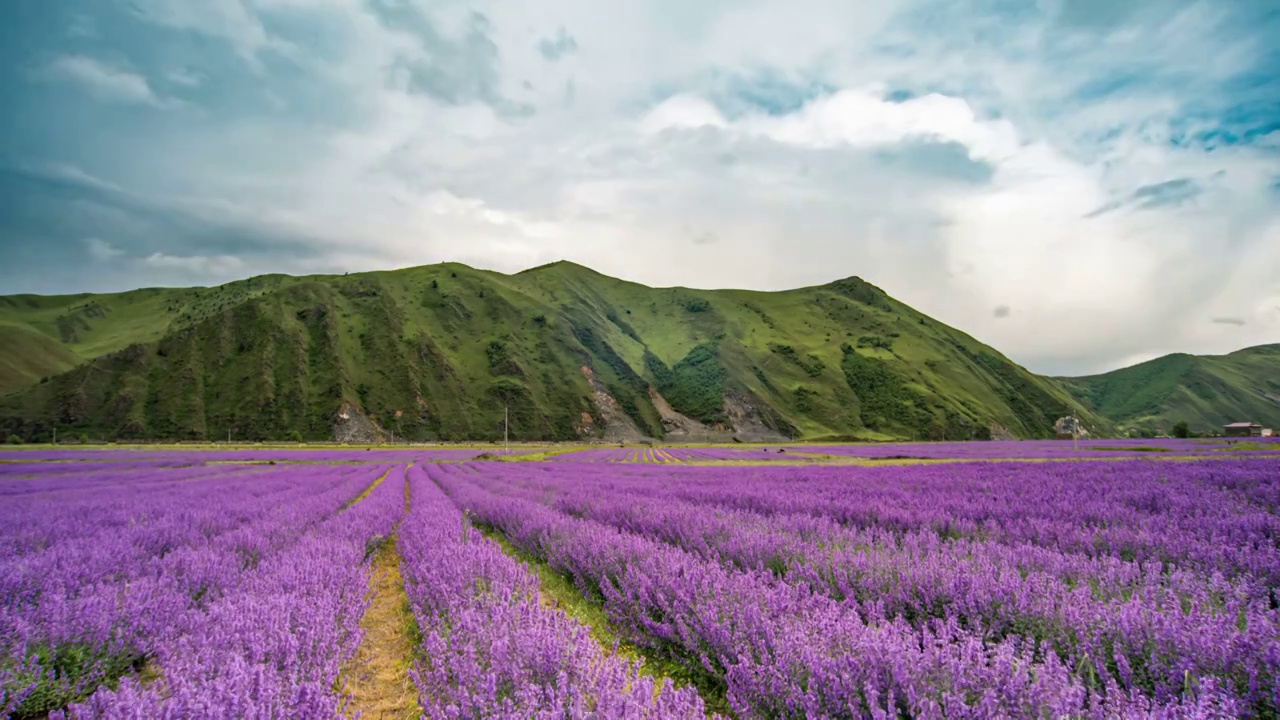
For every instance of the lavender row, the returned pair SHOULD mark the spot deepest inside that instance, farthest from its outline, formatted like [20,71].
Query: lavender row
[273,647]
[1018,449]
[781,650]
[1148,628]
[1048,449]
[109,478]
[201,455]
[83,610]
[88,609]
[146,503]
[676,455]
[79,541]
[490,649]
[1206,517]
[45,470]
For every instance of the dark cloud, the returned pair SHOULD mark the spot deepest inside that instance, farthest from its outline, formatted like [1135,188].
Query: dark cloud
[51,214]
[948,160]
[706,238]
[453,70]
[1238,322]
[562,45]
[1098,14]
[1168,193]
[1104,209]
[1113,84]
[1001,312]
[769,91]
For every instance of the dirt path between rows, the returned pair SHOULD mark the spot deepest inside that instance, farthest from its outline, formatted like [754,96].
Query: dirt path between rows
[377,679]
[368,490]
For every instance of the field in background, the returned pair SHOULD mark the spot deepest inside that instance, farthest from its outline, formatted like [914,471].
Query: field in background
[642,581]
[622,452]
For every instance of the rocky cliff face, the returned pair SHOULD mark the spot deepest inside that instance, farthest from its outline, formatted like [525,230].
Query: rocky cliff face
[617,425]
[351,425]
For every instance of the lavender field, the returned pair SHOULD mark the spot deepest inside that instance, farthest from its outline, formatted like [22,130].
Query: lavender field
[638,583]
[1010,450]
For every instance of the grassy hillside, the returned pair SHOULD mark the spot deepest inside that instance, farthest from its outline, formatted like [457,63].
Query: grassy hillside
[436,352]
[1205,391]
[29,356]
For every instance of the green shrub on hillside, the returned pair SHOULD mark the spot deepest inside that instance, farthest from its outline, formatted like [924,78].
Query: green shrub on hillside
[886,403]
[875,341]
[500,360]
[804,398]
[14,440]
[812,365]
[862,291]
[612,316]
[695,385]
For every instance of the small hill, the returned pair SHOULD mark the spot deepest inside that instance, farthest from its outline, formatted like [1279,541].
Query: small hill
[437,352]
[1207,391]
[30,355]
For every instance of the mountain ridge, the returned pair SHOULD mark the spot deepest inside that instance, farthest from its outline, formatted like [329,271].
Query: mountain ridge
[1205,391]
[437,351]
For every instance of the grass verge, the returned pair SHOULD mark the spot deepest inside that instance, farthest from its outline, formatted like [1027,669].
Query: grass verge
[559,592]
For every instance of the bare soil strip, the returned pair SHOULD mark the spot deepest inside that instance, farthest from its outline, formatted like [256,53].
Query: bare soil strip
[377,679]
[365,493]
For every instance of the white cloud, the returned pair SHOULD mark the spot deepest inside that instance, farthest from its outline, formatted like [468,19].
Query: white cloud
[195,264]
[682,112]
[103,81]
[232,21]
[72,174]
[857,117]
[185,78]
[101,250]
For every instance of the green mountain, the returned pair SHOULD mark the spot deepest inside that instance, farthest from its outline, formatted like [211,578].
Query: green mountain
[1207,391]
[438,352]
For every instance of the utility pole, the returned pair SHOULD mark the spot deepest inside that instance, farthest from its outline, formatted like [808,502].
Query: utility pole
[506,439]
[228,436]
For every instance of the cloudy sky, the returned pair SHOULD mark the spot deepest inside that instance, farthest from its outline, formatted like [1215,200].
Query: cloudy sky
[1081,183]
